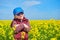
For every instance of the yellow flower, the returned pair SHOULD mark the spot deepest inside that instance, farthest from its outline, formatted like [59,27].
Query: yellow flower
[14,28]
[53,39]
[2,32]
[33,39]
[22,34]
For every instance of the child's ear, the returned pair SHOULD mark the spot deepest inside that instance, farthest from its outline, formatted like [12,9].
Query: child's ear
[15,16]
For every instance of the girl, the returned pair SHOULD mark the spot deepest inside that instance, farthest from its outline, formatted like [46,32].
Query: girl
[20,24]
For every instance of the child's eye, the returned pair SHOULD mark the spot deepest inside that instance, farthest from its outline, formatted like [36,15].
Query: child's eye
[18,15]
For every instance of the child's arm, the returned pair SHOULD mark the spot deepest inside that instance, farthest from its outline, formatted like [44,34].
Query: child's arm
[13,25]
[27,27]
[16,27]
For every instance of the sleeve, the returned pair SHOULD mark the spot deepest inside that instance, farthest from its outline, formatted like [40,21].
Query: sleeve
[13,23]
[27,29]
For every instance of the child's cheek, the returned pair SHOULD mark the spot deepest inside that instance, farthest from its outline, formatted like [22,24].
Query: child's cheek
[20,17]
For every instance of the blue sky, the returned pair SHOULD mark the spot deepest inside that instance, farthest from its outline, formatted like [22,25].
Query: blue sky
[33,9]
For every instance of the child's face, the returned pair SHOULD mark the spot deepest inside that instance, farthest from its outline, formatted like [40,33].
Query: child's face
[19,16]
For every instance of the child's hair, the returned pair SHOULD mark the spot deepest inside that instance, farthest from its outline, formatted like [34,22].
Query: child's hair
[14,16]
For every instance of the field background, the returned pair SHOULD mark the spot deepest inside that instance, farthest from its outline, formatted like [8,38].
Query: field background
[40,30]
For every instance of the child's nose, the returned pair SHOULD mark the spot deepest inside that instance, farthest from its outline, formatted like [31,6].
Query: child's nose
[21,16]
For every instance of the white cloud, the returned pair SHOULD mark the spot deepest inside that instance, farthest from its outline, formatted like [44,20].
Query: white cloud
[30,3]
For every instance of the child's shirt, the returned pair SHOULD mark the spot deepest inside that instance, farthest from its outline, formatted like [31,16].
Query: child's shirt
[19,24]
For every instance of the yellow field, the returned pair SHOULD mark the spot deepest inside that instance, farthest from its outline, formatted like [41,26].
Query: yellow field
[40,30]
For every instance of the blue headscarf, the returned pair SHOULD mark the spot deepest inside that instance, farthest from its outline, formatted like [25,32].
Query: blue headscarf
[17,10]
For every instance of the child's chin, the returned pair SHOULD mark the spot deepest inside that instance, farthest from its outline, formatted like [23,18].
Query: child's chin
[18,18]
[21,19]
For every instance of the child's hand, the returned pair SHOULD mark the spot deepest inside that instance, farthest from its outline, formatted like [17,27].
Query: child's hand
[16,25]
[19,27]
[14,28]
[26,26]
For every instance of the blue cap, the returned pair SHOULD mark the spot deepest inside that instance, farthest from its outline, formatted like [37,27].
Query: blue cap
[17,10]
